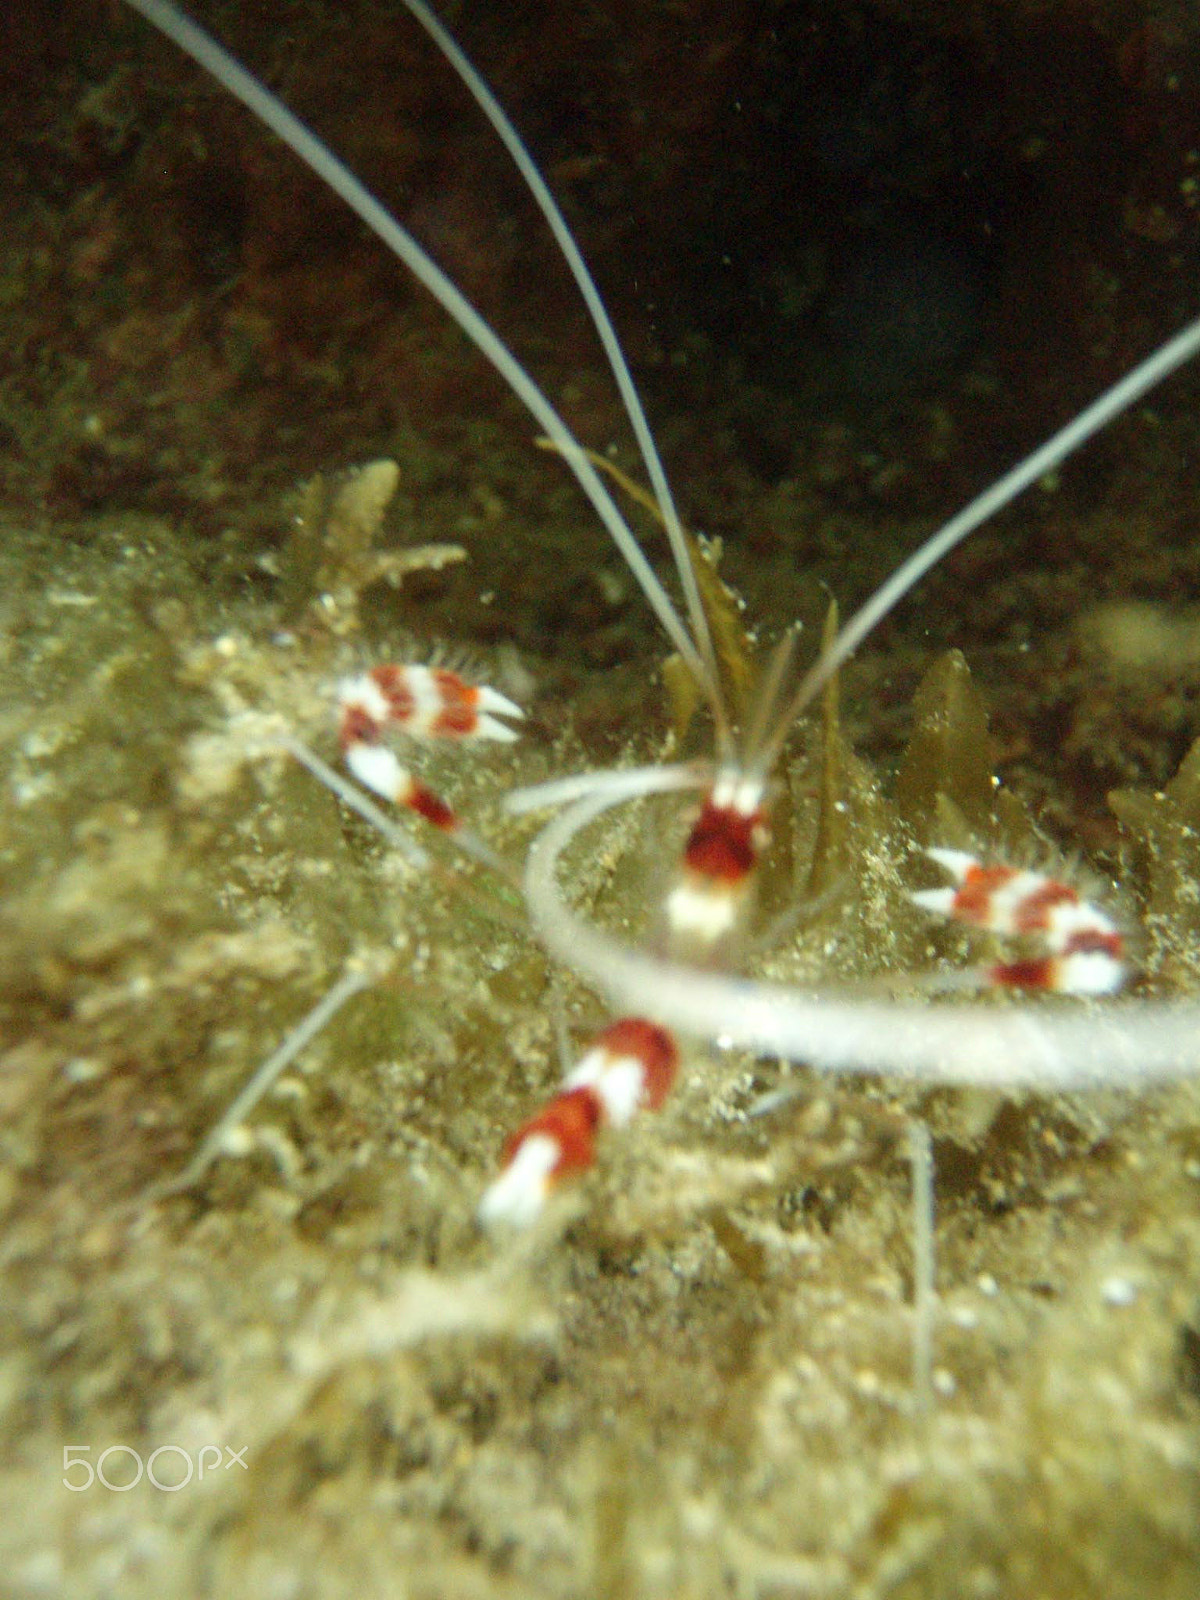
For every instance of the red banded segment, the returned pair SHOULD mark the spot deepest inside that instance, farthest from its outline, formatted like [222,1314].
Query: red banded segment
[724,843]
[429,804]
[652,1047]
[704,909]
[570,1122]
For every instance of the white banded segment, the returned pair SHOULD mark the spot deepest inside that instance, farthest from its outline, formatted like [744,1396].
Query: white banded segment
[516,1197]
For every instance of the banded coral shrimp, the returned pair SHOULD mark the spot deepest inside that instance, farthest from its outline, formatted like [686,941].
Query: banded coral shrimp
[791,1401]
[734,793]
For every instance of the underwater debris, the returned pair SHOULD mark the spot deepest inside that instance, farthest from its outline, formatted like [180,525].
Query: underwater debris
[1163,832]
[332,555]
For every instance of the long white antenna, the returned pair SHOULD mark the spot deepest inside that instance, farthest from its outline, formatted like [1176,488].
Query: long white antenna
[269,109]
[565,240]
[1123,394]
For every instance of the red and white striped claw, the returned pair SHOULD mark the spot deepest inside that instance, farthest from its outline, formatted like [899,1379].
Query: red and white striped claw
[425,703]
[627,1068]
[377,769]
[1082,951]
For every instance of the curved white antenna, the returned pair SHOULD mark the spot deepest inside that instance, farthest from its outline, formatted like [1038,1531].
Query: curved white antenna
[523,161]
[317,155]
[1046,1046]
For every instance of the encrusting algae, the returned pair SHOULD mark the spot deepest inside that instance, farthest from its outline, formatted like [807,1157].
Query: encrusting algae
[694,1377]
